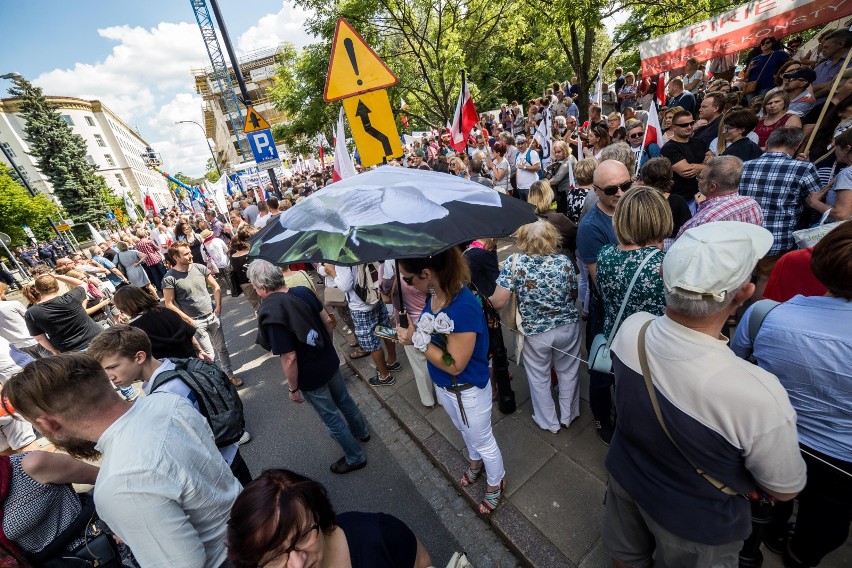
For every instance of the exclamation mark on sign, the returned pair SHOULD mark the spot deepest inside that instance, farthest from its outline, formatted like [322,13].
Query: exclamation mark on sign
[350,49]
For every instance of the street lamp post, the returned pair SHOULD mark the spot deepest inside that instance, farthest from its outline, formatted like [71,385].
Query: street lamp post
[206,139]
[24,180]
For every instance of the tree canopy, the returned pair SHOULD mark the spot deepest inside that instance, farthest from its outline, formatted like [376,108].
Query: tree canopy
[18,208]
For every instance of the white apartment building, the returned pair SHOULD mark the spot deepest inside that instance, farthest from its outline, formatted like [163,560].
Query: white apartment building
[258,69]
[111,145]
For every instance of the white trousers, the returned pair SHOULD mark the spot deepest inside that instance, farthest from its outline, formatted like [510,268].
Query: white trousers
[477,434]
[425,386]
[543,351]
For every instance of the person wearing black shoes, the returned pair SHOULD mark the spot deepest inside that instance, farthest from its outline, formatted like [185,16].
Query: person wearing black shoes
[293,325]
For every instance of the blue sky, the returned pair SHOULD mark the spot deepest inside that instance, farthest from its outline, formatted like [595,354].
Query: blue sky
[135,57]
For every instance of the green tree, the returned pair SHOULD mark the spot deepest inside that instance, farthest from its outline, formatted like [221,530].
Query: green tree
[18,208]
[60,155]
[212,175]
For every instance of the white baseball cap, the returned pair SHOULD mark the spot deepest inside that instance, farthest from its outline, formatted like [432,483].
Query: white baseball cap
[714,259]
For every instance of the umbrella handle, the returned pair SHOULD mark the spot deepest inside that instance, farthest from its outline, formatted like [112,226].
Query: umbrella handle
[403,318]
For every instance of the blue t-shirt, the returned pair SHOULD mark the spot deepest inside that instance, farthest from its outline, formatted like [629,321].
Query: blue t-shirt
[109,266]
[467,316]
[594,232]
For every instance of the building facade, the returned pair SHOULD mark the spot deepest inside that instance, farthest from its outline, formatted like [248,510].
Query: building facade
[111,145]
[258,69]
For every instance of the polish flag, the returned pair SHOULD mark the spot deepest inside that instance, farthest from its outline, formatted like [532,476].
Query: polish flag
[661,89]
[148,203]
[343,166]
[321,142]
[404,108]
[464,119]
[653,132]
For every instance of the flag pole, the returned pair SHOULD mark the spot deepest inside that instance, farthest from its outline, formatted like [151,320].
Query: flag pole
[645,137]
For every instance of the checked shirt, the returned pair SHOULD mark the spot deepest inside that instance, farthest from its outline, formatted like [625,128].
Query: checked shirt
[779,184]
[730,207]
[151,251]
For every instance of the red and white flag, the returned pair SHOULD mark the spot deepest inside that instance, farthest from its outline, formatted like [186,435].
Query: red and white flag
[464,119]
[661,89]
[343,166]
[653,132]
[403,106]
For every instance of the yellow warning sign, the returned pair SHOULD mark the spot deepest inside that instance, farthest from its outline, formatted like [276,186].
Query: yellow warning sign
[254,121]
[373,128]
[354,67]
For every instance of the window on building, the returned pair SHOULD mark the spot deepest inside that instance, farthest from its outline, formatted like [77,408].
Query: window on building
[67,120]
[100,140]
[91,160]
[90,121]
[9,150]
[109,160]
[120,180]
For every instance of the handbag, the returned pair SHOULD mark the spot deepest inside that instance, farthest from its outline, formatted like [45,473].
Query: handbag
[600,359]
[459,560]
[649,383]
[806,238]
[333,297]
[515,321]
[751,86]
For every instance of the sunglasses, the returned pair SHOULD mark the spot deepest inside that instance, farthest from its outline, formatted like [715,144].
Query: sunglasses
[766,41]
[635,135]
[789,77]
[684,124]
[408,280]
[613,189]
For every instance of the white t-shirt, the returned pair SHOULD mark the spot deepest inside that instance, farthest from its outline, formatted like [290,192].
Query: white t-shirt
[526,178]
[215,248]
[502,185]
[12,326]
[261,221]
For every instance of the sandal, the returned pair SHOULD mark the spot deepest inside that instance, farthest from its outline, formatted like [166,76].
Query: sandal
[492,499]
[358,353]
[470,476]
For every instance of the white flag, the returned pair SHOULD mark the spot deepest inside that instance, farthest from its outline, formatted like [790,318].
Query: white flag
[599,88]
[131,207]
[343,166]
[571,183]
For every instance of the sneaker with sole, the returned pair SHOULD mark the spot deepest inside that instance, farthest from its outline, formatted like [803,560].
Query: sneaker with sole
[236,381]
[245,438]
[604,432]
[378,381]
[365,439]
[341,466]
[397,366]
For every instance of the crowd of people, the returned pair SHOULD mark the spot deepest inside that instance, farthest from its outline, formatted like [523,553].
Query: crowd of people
[652,251]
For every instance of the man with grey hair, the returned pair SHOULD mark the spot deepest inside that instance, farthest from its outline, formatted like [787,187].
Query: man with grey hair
[293,325]
[698,428]
[779,183]
[719,185]
[474,169]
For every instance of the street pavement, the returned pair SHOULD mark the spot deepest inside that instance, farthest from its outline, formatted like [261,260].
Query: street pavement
[398,479]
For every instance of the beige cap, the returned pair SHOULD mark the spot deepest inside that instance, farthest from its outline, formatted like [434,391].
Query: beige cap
[713,259]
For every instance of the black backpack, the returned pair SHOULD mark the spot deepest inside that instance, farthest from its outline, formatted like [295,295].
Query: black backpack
[217,398]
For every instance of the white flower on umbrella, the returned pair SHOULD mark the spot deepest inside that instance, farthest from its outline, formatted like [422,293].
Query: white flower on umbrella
[426,323]
[394,196]
[443,324]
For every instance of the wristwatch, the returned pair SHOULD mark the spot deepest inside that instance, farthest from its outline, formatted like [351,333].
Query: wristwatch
[295,390]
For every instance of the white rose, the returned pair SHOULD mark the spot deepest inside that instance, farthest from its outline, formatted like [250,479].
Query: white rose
[443,324]
[420,339]
[426,323]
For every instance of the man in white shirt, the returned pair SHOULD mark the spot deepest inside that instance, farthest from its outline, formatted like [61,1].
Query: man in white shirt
[162,486]
[528,164]
[263,215]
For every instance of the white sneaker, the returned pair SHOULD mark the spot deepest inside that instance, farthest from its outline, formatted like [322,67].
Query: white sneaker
[245,438]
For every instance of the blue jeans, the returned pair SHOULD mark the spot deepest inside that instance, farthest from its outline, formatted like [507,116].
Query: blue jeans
[330,401]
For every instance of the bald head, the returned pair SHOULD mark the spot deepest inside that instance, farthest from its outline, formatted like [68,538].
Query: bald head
[610,172]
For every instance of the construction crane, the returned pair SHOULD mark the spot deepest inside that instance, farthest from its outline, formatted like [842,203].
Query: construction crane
[221,73]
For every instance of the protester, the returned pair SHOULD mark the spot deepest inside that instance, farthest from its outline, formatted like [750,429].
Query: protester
[542,198]
[153,263]
[761,69]
[240,260]
[658,174]
[285,519]
[687,156]
[13,327]
[528,165]
[789,335]
[684,423]
[131,262]
[834,49]
[185,292]
[457,355]
[735,127]
[635,138]
[550,321]
[797,84]
[173,515]
[709,116]
[837,199]
[293,325]
[215,254]
[775,115]
[678,97]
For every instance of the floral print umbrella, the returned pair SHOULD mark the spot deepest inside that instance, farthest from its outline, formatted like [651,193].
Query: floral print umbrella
[389,212]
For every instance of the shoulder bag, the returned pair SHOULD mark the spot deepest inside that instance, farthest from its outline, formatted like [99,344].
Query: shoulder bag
[751,86]
[600,359]
[515,322]
[649,383]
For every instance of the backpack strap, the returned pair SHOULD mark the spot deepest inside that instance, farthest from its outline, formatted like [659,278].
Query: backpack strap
[758,313]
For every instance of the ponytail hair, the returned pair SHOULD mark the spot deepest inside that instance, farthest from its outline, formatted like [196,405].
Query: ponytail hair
[450,268]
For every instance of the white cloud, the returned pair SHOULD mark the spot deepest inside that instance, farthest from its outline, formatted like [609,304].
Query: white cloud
[288,24]
[147,79]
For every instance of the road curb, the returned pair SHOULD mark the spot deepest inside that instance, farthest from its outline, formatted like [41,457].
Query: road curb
[518,534]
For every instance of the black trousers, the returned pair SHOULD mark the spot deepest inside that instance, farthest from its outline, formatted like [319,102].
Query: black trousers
[241,470]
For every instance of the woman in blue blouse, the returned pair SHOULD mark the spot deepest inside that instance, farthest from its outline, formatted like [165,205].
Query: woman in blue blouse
[453,335]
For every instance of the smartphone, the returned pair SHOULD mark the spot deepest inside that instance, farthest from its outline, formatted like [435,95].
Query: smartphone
[385,332]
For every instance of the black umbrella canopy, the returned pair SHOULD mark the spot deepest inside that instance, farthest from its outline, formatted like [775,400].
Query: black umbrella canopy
[386,213]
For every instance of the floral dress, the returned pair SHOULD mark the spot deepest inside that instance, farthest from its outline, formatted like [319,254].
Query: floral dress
[546,287]
[615,270]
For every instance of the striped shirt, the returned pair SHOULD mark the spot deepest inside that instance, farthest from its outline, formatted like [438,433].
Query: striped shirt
[151,251]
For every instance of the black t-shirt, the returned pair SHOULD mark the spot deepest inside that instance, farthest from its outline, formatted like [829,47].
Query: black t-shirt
[238,266]
[693,152]
[680,212]
[64,320]
[170,336]
[484,269]
[316,366]
[709,132]
[744,149]
[378,540]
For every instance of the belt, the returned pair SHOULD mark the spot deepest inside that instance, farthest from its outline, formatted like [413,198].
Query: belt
[203,317]
[458,389]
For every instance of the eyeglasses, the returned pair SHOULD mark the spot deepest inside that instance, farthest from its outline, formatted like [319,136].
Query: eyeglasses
[636,134]
[614,189]
[685,124]
[300,544]
[727,128]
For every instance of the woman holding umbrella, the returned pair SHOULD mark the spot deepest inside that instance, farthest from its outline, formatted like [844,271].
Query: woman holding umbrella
[453,335]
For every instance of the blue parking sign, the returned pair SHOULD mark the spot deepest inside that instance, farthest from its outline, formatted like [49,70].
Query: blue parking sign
[262,146]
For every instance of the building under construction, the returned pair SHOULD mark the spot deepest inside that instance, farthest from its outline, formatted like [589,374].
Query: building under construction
[258,69]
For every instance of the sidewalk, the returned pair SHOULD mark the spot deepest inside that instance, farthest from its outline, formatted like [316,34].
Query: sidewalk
[555,483]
